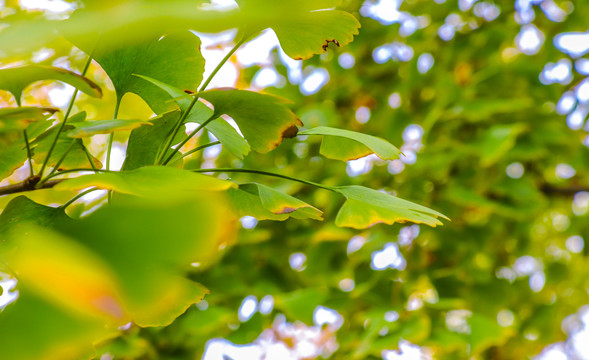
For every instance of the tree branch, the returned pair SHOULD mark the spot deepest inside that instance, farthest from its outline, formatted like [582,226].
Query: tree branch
[28,185]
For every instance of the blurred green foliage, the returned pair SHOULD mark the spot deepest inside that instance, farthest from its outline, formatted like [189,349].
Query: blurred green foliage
[492,151]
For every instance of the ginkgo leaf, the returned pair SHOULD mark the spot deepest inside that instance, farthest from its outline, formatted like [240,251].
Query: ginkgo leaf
[226,134]
[21,117]
[16,79]
[76,156]
[91,128]
[174,58]
[302,30]
[265,120]
[365,207]
[266,203]
[149,181]
[280,203]
[140,148]
[347,145]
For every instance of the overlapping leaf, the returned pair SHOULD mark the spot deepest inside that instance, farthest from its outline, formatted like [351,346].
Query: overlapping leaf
[149,181]
[16,79]
[265,120]
[91,128]
[266,203]
[347,145]
[21,117]
[200,113]
[174,59]
[365,207]
[301,29]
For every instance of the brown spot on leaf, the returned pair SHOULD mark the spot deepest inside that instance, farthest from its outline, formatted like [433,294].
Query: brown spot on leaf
[189,92]
[286,210]
[324,46]
[290,132]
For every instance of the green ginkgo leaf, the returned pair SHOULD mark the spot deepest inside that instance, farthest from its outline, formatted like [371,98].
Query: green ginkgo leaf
[340,144]
[200,113]
[16,79]
[174,58]
[266,203]
[149,182]
[265,120]
[365,207]
[304,28]
[26,114]
[91,128]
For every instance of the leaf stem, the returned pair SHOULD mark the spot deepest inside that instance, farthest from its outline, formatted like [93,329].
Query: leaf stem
[29,156]
[196,149]
[72,200]
[266,173]
[177,148]
[65,118]
[76,170]
[112,135]
[195,99]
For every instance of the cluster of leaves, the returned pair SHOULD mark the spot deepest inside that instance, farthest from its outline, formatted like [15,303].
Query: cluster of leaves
[86,269]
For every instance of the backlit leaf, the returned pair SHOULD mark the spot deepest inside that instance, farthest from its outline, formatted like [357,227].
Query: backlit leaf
[20,117]
[148,182]
[16,79]
[91,128]
[266,203]
[365,207]
[347,145]
[174,59]
[226,134]
[265,120]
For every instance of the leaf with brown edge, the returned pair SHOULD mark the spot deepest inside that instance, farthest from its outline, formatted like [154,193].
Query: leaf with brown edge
[366,207]
[304,27]
[265,120]
[266,203]
[20,117]
[16,79]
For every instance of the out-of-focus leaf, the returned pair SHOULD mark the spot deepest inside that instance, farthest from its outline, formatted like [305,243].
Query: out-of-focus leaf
[263,202]
[174,59]
[20,117]
[300,304]
[149,241]
[58,334]
[17,78]
[365,207]
[63,272]
[264,120]
[226,134]
[484,333]
[149,182]
[140,149]
[347,145]
[497,141]
[91,128]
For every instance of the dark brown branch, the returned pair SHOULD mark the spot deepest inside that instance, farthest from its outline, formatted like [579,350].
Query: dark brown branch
[27,185]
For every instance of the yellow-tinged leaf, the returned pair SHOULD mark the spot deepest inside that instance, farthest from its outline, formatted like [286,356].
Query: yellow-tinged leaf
[64,272]
[149,182]
[365,207]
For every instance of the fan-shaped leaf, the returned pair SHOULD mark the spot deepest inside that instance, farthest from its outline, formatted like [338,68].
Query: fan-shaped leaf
[347,145]
[264,120]
[200,113]
[16,79]
[266,203]
[91,128]
[149,182]
[365,207]
[174,58]
[21,117]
